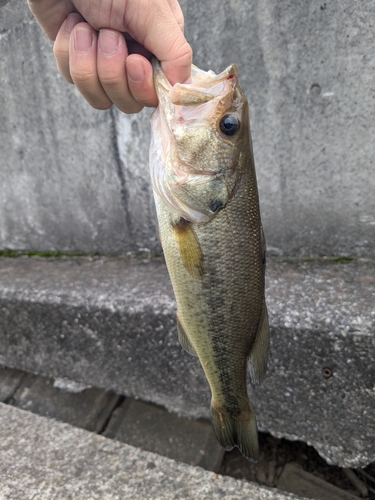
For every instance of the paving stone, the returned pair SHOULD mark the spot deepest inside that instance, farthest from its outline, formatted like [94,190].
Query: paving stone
[48,460]
[296,480]
[89,409]
[10,380]
[154,429]
[357,482]
[110,323]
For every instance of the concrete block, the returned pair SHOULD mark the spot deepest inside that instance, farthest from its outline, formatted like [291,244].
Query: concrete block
[139,424]
[76,180]
[154,429]
[65,181]
[45,459]
[296,480]
[306,69]
[110,323]
[89,409]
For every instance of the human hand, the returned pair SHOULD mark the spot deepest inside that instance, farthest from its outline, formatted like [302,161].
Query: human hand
[104,47]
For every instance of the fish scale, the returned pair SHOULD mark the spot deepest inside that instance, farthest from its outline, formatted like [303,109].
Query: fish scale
[210,229]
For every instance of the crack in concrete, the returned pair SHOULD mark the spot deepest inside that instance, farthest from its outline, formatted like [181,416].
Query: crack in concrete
[120,167]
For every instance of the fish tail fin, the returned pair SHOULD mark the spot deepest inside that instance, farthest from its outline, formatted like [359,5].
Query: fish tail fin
[240,431]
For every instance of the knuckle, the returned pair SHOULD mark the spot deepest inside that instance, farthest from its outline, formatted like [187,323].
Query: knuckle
[83,75]
[182,54]
[128,104]
[180,19]
[63,69]
[66,76]
[110,79]
[131,109]
[145,101]
[185,56]
[141,97]
[60,53]
[101,106]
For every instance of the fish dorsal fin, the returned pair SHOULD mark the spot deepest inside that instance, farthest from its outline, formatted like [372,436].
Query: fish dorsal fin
[257,362]
[190,251]
[184,340]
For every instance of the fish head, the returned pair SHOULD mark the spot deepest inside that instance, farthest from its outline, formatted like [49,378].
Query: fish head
[198,133]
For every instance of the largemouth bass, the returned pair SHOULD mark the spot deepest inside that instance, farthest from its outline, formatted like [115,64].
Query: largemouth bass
[206,197]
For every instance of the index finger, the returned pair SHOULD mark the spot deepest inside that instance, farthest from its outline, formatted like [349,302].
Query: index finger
[160,30]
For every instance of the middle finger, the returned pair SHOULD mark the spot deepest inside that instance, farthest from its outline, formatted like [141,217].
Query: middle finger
[111,57]
[83,66]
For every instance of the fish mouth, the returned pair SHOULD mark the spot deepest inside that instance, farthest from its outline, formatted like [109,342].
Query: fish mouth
[202,87]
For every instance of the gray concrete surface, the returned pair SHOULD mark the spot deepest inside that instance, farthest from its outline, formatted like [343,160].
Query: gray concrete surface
[75,179]
[45,459]
[64,183]
[110,323]
[310,486]
[140,424]
[154,429]
[89,409]
[10,380]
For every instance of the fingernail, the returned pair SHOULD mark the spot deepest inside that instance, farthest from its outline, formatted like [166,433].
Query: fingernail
[83,40]
[71,21]
[135,73]
[108,42]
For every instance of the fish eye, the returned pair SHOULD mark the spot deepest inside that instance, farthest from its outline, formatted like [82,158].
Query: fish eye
[229,125]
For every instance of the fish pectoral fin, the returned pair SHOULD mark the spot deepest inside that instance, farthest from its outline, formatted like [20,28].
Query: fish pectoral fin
[257,362]
[184,340]
[240,431]
[190,250]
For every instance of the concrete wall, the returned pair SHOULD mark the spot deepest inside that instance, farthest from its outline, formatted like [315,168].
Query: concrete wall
[76,179]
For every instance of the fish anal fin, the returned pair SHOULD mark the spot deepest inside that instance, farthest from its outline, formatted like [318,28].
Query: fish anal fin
[190,251]
[257,362]
[184,339]
[240,431]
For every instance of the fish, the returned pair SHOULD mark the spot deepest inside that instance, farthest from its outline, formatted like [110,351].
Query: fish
[207,204]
